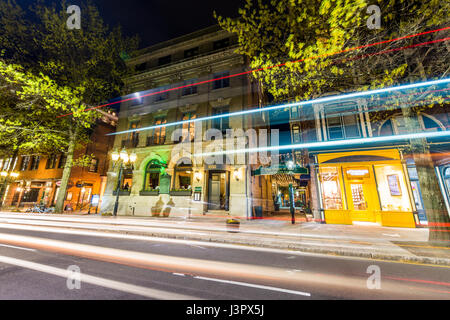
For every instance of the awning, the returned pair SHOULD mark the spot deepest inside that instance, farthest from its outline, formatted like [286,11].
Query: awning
[281,169]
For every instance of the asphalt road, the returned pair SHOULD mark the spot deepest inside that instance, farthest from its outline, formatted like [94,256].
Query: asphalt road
[34,264]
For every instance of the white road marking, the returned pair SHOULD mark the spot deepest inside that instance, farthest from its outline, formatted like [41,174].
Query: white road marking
[256,286]
[14,247]
[179,274]
[391,235]
[111,284]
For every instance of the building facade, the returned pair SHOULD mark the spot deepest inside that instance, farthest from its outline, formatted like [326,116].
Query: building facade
[167,178]
[39,176]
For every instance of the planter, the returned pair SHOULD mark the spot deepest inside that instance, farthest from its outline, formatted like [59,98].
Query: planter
[149,193]
[233,225]
[122,193]
[181,193]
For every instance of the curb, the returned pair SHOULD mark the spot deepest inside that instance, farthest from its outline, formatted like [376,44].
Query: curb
[276,244]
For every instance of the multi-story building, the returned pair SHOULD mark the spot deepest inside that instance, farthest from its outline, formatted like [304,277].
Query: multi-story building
[372,182]
[39,176]
[161,92]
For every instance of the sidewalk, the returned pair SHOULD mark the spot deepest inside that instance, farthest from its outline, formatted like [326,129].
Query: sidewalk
[365,241]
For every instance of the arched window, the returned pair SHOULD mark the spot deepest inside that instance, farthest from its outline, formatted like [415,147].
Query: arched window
[183,175]
[152,174]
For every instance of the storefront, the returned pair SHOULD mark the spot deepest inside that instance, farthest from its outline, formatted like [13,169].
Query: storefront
[365,186]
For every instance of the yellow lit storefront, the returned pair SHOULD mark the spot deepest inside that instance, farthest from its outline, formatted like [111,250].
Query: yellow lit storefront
[365,186]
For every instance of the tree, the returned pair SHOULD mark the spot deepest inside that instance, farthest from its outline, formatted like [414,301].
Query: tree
[85,62]
[320,36]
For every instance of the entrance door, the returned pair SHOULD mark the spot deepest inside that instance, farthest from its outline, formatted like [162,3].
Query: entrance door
[218,191]
[361,193]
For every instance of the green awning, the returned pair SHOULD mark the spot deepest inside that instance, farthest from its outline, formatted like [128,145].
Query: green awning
[281,169]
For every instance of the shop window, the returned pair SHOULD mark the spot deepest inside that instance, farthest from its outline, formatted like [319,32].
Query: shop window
[31,195]
[392,188]
[331,189]
[222,80]
[152,175]
[127,180]
[51,162]
[183,172]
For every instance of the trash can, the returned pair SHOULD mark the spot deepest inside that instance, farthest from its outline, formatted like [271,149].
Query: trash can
[258,212]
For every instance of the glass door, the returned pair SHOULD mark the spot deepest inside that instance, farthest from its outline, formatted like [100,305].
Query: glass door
[361,193]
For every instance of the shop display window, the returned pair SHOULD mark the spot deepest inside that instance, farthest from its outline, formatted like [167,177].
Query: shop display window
[331,189]
[392,188]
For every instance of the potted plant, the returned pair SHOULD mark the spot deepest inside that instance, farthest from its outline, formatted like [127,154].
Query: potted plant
[156,210]
[169,206]
[233,225]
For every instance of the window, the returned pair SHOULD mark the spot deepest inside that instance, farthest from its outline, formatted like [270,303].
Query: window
[162,96]
[164,60]
[133,138]
[222,80]
[137,100]
[51,162]
[152,173]
[31,195]
[7,164]
[25,163]
[183,172]
[342,121]
[190,89]
[296,134]
[62,161]
[94,165]
[191,52]
[222,123]
[35,160]
[127,180]
[219,44]
[294,113]
[331,190]
[140,67]
[188,127]
[159,134]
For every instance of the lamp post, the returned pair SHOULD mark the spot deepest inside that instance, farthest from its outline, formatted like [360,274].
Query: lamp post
[6,177]
[123,159]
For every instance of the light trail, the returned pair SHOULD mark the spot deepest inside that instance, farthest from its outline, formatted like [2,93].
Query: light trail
[266,68]
[340,143]
[295,104]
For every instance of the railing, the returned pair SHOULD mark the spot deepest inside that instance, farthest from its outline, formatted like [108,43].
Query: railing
[130,143]
[155,141]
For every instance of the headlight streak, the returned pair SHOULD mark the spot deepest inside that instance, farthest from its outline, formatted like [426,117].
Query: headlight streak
[337,143]
[296,104]
[279,65]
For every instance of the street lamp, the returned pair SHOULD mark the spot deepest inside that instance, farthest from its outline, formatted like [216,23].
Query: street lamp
[124,160]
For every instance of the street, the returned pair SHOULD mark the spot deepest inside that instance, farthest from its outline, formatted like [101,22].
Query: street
[34,264]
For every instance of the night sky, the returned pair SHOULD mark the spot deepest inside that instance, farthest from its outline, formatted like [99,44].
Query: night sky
[159,20]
